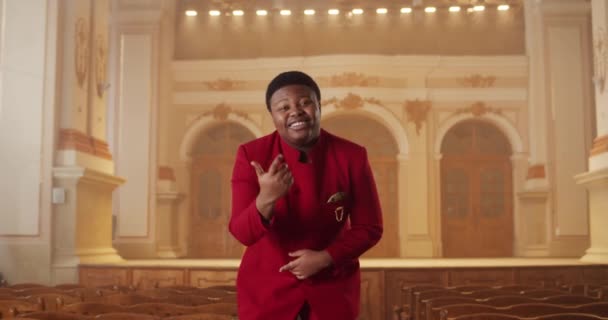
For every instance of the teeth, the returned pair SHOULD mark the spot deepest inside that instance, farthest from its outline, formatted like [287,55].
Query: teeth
[297,124]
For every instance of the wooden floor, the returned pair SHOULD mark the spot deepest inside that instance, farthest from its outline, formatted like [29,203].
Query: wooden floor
[382,280]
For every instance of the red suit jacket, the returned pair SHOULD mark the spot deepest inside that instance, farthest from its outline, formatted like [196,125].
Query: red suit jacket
[333,205]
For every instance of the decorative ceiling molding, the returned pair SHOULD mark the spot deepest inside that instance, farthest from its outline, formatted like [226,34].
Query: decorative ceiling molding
[417,111]
[478,81]
[351,101]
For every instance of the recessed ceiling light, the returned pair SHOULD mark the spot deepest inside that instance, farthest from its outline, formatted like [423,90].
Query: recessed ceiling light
[261,12]
[357,11]
[309,12]
[333,12]
[479,8]
[430,9]
[381,11]
[406,10]
[238,12]
[214,13]
[285,12]
[454,9]
[503,7]
[191,13]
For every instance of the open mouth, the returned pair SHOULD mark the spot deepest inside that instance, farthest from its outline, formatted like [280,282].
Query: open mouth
[296,125]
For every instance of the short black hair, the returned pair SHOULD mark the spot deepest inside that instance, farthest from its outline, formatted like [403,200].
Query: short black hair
[289,78]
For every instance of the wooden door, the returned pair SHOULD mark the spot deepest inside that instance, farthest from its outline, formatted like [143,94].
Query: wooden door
[476,194]
[210,192]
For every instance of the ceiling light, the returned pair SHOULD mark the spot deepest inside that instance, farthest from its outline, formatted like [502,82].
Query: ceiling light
[191,13]
[381,11]
[285,12]
[357,11]
[309,12]
[238,12]
[261,12]
[479,8]
[333,12]
[454,9]
[503,7]
[214,13]
[406,10]
[430,9]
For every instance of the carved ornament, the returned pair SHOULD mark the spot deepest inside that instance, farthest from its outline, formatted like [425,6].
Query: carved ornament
[353,79]
[221,112]
[478,81]
[351,102]
[224,84]
[600,58]
[417,111]
[81,50]
[101,61]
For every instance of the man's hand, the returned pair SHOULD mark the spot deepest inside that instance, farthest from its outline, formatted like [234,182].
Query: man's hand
[307,263]
[273,184]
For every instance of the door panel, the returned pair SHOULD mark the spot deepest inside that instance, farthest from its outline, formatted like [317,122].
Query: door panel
[477,219]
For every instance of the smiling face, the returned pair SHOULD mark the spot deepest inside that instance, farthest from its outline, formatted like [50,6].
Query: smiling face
[296,114]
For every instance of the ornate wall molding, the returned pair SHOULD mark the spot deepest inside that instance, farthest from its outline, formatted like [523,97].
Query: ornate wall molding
[81,50]
[478,81]
[600,58]
[221,112]
[224,84]
[352,79]
[417,111]
[600,145]
[478,109]
[101,62]
[72,139]
[351,101]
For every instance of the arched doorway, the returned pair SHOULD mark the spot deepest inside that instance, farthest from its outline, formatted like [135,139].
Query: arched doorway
[476,192]
[382,151]
[213,158]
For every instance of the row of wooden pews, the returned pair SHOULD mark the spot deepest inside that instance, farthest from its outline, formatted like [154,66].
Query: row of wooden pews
[32,301]
[576,301]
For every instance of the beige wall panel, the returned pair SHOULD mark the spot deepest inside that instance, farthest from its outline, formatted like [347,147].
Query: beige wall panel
[157,277]
[567,50]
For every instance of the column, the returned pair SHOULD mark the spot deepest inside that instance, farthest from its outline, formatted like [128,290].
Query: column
[596,179]
[84,167]
[168,199]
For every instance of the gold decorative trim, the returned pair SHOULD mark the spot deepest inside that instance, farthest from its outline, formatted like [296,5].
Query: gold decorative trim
[536,172]
[222,111]
[72,139]
[81,50]
[478,81]
[224,84]
[351,101]
[478,109]
[600,58]
[101,57]
[353,79]
[600,145]
[417,111]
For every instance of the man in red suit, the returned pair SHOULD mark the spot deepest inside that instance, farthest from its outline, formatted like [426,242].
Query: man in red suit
[305,204]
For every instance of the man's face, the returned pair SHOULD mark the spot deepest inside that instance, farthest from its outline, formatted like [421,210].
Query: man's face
[296,115]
